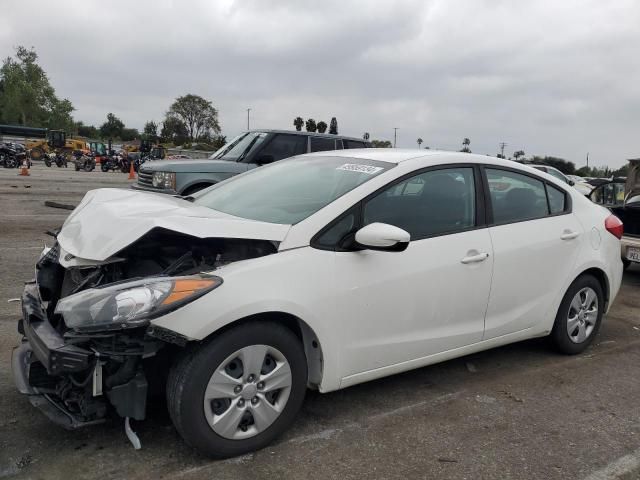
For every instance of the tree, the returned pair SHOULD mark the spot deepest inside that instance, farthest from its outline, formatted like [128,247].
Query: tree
[333,127]
[173,131]
[419,141]
[366,136]
[465,145]
[310,125]
[517,154]
[197,114]
[112,128]
[129,134]
[381,143]
[27,97]
[88,131]
[322,126]
[298,122]
[151,130]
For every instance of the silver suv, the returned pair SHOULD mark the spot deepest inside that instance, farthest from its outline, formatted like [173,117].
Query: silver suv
[246,151]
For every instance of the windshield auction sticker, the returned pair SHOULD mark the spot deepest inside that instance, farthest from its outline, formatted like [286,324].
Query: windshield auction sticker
[354,167]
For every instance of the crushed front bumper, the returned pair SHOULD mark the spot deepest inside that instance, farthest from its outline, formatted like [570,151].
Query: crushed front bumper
[47,368]
[47,344]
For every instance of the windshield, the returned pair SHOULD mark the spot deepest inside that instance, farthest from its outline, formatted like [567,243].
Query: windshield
[289,191]
[239,147]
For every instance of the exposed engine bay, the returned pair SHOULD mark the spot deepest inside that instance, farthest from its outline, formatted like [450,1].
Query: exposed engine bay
[80,377]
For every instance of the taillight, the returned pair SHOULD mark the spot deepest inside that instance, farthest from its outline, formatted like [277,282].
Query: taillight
[614,226]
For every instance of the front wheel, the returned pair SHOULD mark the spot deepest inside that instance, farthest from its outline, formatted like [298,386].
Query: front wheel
[579,316]
[238,392]
[104,167]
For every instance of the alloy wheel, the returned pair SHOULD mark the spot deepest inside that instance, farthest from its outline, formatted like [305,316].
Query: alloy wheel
[582,315]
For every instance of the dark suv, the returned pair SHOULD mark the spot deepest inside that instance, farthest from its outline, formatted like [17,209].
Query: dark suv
[246,151]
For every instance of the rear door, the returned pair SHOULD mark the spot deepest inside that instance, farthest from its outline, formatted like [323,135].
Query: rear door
[535,241]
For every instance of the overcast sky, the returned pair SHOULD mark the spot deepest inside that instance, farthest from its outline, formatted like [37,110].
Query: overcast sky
[550,77]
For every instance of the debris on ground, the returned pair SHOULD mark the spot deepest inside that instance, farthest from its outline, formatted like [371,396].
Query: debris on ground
[64,206]
[511,396]
[471,367]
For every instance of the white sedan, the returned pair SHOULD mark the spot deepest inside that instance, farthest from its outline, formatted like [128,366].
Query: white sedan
[321,272]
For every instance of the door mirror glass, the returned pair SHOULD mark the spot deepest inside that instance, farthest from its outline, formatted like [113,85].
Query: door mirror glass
[382,236]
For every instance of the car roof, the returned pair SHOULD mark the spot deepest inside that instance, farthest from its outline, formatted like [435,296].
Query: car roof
[309,134]
[399,155]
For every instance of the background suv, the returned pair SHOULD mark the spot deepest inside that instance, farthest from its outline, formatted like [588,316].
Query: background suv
[246,151]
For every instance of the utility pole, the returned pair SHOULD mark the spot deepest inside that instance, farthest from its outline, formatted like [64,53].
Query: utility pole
[587,159]
[502,145]
[395,136]
[248,110]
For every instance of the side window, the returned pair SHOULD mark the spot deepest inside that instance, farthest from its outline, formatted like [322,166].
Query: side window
[353,144]
[557,200]
[428,204]
[516,197]
[321,144]
[283,146]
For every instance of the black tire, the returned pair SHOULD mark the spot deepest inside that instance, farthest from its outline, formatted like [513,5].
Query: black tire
[47,162]
[104,167]
[190,375]
[77,167]
[559,334]
[88,167]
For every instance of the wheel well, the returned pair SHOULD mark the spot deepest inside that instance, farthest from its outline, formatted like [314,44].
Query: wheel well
[602,279]
[308,338]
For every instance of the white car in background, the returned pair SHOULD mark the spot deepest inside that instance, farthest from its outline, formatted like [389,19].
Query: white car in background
[322,272]
[580,185]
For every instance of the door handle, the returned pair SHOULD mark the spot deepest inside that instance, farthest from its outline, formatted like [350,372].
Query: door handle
[479,257]
[569,235]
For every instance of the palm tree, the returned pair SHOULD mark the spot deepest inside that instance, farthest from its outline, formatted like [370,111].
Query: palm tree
[518,154]
[322,126]
[310,125]
[465,145]
[298,122]
[419,142]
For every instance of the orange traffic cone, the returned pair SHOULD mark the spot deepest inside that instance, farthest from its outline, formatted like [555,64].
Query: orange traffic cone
[132,173]
[24,171]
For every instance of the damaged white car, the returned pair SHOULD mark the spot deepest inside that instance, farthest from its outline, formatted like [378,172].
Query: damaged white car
[320,272]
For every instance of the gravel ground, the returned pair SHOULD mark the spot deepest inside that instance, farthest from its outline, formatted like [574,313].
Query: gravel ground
[519,411]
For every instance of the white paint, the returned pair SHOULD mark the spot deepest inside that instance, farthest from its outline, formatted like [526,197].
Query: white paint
[617,468]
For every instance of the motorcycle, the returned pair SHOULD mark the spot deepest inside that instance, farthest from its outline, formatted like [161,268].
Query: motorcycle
[84,161]
[59,159]
[111,162]
[11,155]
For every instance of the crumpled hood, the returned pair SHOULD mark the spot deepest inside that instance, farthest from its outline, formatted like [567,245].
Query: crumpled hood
[109,219]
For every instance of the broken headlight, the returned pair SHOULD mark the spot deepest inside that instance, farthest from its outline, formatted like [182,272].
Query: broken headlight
[132,304]
[164,180]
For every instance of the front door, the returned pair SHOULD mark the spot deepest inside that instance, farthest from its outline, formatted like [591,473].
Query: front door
[397,307]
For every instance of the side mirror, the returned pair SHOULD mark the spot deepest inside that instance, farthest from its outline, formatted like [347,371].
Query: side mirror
[382,236]
[571,182]
[264,159]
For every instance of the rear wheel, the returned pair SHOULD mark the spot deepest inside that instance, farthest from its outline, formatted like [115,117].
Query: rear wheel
[37,153]
[238,392]
[579,316]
